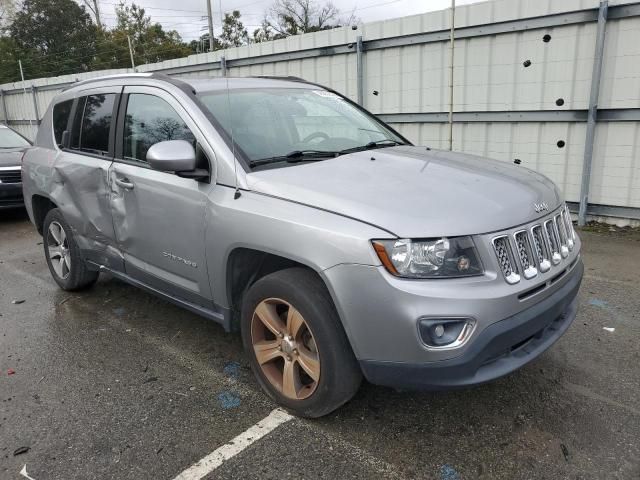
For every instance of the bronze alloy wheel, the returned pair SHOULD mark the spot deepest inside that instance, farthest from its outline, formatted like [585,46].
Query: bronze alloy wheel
[285,348]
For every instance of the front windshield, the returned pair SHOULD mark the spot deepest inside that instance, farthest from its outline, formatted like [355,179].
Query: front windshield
[10,139]
[272,123]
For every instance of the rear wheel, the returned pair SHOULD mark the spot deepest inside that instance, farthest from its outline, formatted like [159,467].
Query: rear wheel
[297,346]
[66,265]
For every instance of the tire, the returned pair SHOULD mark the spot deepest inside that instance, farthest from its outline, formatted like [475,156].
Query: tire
[319,346]
[68,268]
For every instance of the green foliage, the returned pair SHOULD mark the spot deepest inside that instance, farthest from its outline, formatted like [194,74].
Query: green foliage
[234,34]
[9,71]
[150,42]
[53,37]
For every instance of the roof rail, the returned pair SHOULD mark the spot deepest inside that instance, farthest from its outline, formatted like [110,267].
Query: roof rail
[281,77]
[154,75]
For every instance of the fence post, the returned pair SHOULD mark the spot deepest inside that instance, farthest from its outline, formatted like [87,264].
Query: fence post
[4,108]
[34,97]
[592,118]
[359,70]
[223,66]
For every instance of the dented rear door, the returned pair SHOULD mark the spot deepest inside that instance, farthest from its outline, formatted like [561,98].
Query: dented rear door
[80,184]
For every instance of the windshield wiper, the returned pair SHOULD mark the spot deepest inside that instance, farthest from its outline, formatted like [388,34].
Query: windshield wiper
[295,157]
[385,142]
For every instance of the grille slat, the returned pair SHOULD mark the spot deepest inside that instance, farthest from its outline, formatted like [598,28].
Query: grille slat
[527,260]
[562,235]
[10,176]
[503,250]
[542,251]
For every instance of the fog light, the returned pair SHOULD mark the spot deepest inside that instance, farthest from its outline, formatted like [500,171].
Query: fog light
[445,332]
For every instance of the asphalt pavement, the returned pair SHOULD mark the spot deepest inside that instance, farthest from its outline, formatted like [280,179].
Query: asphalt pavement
[113,383]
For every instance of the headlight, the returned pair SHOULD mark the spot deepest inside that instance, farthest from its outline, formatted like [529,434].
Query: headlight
[436,258]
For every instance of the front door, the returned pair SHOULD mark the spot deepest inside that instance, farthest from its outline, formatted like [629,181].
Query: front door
[159,218]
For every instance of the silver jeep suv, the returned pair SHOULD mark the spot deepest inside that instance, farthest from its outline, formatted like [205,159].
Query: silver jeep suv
[279,208]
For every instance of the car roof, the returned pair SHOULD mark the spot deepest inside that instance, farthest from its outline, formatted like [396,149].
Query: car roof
[199,84]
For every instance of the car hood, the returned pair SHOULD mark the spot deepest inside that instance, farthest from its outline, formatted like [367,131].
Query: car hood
[415,192]
[11,157]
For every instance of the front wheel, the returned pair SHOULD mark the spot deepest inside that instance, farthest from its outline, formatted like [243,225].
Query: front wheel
[63,256]
[296,344]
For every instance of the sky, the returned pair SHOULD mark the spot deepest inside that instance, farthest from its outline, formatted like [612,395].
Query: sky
[188,17]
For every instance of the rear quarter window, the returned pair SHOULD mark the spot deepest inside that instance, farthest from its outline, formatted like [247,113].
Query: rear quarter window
[61,113]
[92,123]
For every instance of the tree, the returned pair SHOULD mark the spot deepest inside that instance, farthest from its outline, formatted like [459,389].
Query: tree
[9,71]
[53,37]
[94,8]
[292,17]
[202,44]
[150,42]
[7,10]
[234,34]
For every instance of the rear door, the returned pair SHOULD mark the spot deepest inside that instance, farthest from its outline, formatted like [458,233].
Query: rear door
[81,187]
[159,217]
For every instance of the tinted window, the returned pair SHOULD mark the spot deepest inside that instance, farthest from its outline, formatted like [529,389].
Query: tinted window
[77,120]
[150,120]
[61,114]
[96,123]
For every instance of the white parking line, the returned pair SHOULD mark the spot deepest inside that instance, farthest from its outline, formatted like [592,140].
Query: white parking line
[216,458]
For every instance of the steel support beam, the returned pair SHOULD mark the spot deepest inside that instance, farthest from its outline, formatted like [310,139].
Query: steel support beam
[223,66]
[34,97]
[4,107]
[359,70]
[596,210]
[609,115]
[592,118]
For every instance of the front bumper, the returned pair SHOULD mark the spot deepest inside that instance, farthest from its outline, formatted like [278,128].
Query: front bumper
[11,195]
[498,350]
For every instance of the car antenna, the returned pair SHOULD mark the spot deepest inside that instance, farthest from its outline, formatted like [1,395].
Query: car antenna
[223,67]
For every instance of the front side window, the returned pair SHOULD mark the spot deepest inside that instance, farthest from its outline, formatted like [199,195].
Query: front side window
[149,120]
[10,139]
[92,123]
[276,122]
[61,113]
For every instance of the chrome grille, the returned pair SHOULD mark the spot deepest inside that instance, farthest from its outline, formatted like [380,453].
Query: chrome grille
[503,251]
[536,248]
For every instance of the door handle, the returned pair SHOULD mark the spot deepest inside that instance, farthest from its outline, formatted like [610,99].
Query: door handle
[124,184]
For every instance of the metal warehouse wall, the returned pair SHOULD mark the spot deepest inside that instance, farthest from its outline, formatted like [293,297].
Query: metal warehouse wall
[399,70]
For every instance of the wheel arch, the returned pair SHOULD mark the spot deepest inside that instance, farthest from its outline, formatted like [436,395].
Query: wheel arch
[246,265]
[40,206]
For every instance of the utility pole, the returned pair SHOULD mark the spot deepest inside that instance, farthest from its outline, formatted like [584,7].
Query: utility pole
[210,18]
[451,50]
[133,64]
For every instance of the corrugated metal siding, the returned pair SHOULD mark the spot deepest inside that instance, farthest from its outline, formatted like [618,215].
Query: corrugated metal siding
[489,76]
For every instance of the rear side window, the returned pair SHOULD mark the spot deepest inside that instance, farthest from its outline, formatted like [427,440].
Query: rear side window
[92,124]
[150,120]
[61,113]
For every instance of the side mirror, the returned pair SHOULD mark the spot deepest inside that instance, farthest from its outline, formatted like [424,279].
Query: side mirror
[172,156]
